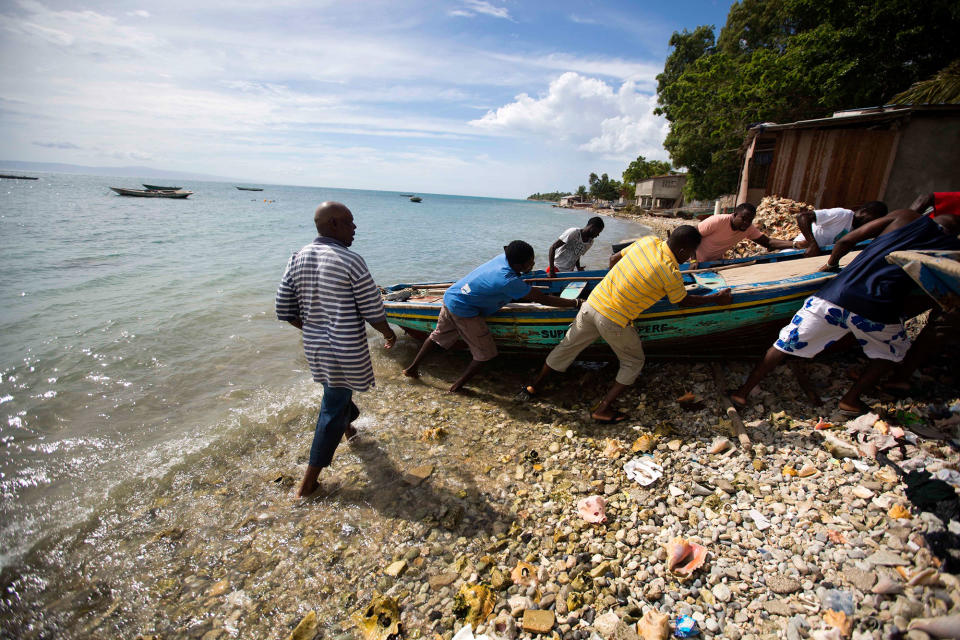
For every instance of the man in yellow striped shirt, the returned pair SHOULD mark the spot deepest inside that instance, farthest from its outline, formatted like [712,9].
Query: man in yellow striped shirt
[639,276]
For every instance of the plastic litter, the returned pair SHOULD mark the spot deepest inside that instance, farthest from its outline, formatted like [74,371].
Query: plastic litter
[643,470]
[686,627]
[837,600]
[466,633]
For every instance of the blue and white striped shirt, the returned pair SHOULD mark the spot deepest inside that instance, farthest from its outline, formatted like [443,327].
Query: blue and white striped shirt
[329,288]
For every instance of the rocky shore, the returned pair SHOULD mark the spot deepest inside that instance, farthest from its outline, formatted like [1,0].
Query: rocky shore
[455,509]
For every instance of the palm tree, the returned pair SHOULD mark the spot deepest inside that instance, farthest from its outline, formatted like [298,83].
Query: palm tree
[942,88]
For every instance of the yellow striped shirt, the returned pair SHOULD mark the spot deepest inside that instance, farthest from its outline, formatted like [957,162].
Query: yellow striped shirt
[646,272]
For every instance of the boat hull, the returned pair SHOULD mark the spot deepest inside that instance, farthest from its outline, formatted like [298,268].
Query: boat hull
[138,193]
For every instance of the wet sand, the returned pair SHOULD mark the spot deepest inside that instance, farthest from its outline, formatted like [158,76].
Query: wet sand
[446,490]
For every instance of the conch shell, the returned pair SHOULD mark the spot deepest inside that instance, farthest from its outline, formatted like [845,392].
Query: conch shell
[474,603]
[719,445]
[685,557]
[643,444]
[654,626]
[887,586]
[524,574]
[592,509]
[614,448]
[939,627]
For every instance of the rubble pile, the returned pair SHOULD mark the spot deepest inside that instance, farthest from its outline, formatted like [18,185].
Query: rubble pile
[776,217]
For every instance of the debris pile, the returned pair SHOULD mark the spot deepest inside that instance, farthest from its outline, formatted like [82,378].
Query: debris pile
[776,217]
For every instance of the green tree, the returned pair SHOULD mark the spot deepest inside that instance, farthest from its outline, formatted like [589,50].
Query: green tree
[582,192]
[641,168]
[789,60]
[603,188]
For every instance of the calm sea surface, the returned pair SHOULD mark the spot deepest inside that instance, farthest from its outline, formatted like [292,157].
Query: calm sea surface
[136,331]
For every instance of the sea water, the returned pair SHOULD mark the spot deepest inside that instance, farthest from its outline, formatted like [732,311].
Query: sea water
[136,331]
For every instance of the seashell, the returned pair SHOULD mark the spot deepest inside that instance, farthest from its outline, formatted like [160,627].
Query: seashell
[685,557]
[867,449]
[789,472]
[719,445]
[613,449]
[654,626]
[826,634]
[644,443]
[822,424]
[939,627]
[926,576]
[836,537]
[897,432]
[380,620]
[759,520]
[862,492]
[898,511]
[882,427]
[887,586]
[838,620]
[592,509]
[885,474]
[524,574]
[687,398]
[807,470]
[474,603]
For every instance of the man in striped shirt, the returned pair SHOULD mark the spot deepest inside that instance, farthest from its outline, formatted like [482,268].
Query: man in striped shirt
[327,292]
[639,276]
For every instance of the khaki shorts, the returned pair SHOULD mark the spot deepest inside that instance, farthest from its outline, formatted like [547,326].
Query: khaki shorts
[474,331]
[586,328]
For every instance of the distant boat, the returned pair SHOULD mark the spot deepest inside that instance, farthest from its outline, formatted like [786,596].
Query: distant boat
[153,187]
[148,193]
[416,199]
[406,195]
[9,177]
[249,189]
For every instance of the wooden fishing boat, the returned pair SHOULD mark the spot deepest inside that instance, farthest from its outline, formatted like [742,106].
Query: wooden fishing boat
[936,272]
[765,297]
[151,193]
[416,199]
[249,189]
[7,176]
[153,187]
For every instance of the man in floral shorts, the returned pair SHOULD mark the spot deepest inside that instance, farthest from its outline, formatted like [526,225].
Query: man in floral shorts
[865,299]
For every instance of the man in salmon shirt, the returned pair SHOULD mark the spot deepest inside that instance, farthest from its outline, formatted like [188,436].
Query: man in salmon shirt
[723,231]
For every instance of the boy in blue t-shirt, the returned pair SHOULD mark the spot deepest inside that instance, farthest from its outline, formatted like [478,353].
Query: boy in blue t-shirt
[479,294]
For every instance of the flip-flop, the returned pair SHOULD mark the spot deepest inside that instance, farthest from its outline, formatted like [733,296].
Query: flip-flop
[616,418]
[854,413]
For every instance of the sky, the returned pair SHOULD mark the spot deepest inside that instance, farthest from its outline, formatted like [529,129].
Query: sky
[496,98]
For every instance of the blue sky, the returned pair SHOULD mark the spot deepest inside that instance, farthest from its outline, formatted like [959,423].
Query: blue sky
[474,97]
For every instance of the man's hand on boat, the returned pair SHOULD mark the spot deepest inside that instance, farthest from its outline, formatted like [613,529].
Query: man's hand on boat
[719,298]
[536,295]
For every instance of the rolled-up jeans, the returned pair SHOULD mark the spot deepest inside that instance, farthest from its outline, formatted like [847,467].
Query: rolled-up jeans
[336,412]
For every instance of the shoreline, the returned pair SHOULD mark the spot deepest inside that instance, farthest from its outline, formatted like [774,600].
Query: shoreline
[447,492]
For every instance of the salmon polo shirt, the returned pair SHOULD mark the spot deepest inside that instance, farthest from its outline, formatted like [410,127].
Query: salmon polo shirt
[646,272]
[718,236]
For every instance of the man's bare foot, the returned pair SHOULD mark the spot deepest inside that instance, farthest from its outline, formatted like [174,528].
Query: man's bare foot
[412,372]
[349,433]
[738,399]
[456,387]
[608,416]
[307,491]
[309,485]
[853,410]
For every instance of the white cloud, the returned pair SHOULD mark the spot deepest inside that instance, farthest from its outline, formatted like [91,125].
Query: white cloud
[472,8]
[139,13]
[585,112]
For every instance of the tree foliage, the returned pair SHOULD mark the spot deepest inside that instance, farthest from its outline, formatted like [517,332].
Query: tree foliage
[943,88]
[553,196]
[788,60]
[641,168]
[603,188]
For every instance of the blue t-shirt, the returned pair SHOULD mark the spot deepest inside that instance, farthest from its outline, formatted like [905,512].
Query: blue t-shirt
[872,287]
[485,289]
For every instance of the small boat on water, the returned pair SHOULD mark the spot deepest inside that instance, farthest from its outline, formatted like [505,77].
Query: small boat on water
[153,187]
[152,193]
[6,176]
[249,189]
[936,272]
[416,199]
[765,297]
[406,195]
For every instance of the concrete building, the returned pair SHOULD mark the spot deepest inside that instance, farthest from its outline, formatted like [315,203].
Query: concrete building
[661,192]
[892,154]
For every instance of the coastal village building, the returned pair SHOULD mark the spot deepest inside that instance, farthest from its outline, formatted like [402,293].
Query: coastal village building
[892,154]
[661,192]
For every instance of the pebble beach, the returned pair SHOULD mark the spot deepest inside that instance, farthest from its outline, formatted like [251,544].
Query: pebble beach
[457,509]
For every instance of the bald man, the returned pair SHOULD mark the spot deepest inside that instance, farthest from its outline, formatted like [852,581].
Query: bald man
[328,294]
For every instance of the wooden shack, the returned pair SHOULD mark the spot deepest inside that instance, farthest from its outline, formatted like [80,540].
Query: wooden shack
[892,154]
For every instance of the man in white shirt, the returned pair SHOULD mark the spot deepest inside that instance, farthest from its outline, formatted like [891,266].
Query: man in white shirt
[565,253]
[824,227]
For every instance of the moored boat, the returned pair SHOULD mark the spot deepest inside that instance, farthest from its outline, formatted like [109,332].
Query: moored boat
[249,189]
[765,297]
[151,193]
[153,187]
[416,199]
[8,176]
[936,272]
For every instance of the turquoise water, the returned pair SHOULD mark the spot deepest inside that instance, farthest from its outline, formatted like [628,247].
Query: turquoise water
[134,331]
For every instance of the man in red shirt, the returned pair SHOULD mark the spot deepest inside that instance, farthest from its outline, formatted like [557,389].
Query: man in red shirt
[941,201]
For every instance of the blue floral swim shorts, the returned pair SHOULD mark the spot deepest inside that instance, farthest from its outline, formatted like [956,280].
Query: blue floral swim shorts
[818,324]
